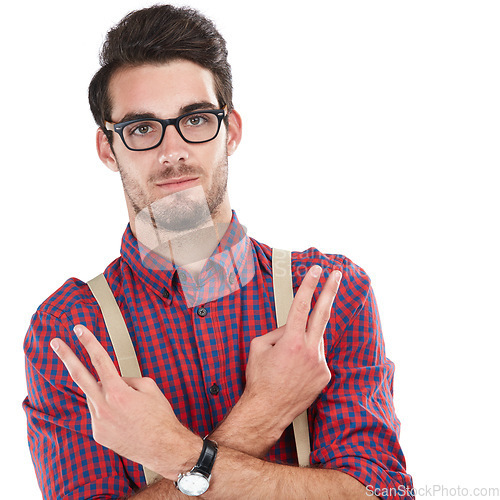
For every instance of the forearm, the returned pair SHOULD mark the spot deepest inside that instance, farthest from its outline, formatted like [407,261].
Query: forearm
[237,475]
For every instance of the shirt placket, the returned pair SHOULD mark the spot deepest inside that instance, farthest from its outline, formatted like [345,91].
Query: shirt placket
[211,355]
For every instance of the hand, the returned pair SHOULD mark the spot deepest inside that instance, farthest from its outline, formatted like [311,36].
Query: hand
[131,416]
[287,368]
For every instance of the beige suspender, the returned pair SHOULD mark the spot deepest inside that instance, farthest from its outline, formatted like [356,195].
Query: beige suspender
[127,358]
[117,329]
[283,297]
[120,338]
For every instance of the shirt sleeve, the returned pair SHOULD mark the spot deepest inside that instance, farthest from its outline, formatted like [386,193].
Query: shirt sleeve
[69,464]
[355,427]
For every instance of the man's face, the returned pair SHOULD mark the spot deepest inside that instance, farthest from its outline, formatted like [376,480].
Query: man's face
[178,178]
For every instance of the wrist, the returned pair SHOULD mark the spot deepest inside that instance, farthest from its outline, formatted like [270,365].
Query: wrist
[250,428]
[262,416]
[186,456]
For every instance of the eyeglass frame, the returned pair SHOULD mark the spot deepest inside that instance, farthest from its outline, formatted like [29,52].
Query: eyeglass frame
[118,127]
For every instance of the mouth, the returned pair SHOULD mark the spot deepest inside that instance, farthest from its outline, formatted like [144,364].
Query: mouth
[178,184]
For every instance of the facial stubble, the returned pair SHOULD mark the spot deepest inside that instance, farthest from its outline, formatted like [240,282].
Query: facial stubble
[178,212]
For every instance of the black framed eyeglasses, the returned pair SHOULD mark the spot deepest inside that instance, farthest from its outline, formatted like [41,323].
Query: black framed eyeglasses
[147,133]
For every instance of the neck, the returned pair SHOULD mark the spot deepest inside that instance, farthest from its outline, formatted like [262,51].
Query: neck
[189,248]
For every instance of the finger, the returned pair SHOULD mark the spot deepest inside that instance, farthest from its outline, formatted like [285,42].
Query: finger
[320,315]
[77,370]
[104,366]
[301,305]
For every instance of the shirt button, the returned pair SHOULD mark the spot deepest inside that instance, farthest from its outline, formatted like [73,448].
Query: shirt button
[214,390]
[231,278]
[182,276]
[201,311]
[165,293]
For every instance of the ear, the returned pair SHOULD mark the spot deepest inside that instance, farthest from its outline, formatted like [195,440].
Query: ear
[104,151]
[234,131]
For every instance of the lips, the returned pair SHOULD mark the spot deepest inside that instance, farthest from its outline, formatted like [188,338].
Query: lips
[178,184]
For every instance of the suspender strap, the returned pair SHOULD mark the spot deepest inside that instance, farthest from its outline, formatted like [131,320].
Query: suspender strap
[127,358]
[117,330]
[283,297]
[120,338]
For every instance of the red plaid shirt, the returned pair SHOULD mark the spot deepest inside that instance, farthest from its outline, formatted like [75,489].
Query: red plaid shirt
[194,341]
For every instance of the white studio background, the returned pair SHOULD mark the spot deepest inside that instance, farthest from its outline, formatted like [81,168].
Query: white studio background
[371,129]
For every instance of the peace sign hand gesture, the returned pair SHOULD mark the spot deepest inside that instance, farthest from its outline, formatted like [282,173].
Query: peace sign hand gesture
[131,416]
[286,370]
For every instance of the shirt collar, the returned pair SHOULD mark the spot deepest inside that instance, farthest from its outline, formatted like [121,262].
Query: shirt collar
[232,263]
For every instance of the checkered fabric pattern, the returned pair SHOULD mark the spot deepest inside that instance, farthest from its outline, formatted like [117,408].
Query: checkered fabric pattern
[198,355]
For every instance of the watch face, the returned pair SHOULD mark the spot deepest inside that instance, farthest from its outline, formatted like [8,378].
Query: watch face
[193,483]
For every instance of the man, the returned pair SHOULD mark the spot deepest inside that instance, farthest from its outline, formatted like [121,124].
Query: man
[196,294]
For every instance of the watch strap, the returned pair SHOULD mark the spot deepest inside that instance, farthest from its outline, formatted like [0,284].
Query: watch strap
[207,458]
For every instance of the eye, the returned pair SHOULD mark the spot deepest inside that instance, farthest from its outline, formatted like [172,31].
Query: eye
[141,129]
[197,120]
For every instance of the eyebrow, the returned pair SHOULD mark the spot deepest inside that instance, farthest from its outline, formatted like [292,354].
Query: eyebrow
[143,115]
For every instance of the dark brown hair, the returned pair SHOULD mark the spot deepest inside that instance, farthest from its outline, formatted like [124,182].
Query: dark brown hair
[156,35]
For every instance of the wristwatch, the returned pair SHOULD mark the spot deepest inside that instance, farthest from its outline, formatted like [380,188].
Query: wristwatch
[197,480]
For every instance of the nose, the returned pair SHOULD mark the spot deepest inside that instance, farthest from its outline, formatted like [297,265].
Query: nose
[173,148]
